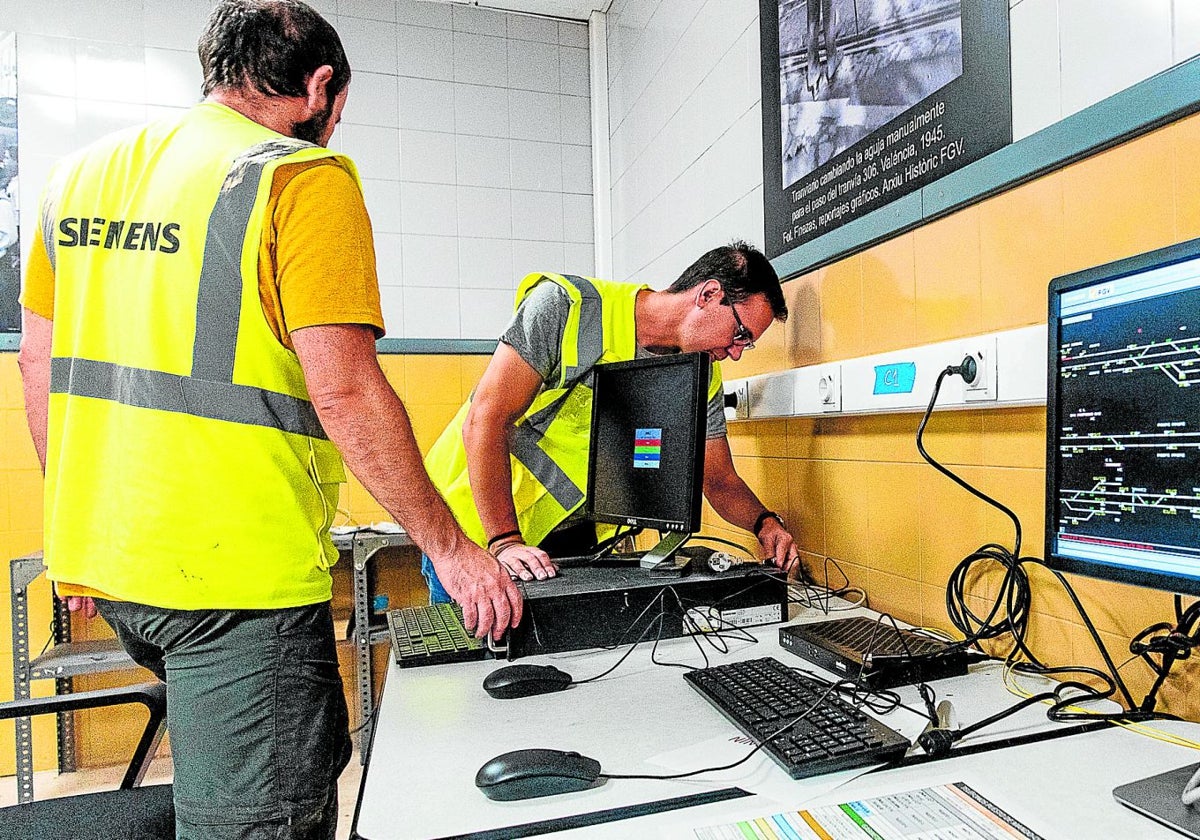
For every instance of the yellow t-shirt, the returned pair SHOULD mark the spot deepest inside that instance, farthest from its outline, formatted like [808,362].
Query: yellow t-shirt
[316,262]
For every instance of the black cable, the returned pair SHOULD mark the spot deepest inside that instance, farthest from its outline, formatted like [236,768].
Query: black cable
[687,623]
[1015,590]
[50,638]
[818,597]
[1169,643]
[723,627]
[1095,634]
[598,551]
[722,540]
[954,369]
[716,639]
[699,637]
[366,720]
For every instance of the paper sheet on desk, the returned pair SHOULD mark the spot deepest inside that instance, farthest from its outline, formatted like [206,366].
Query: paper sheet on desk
[759,775]
[952,811]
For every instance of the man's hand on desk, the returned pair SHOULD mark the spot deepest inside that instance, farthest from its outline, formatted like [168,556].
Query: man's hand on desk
[491,602]
[75,603]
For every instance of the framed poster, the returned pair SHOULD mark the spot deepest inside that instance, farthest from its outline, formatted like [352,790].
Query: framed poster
[865,101]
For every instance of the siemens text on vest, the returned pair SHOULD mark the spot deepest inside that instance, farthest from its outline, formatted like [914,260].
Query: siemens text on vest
[118,233]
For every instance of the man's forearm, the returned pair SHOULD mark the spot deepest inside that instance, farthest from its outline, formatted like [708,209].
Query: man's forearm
[366,421]
[735,502]
[371,428]
[34,362]
[490,472]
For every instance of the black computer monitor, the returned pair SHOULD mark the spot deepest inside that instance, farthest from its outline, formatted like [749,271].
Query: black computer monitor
[646,464]
[1123,421]
[1123,442]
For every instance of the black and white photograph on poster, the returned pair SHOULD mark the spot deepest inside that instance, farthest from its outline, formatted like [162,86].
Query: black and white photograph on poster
[847,67]
[865,101]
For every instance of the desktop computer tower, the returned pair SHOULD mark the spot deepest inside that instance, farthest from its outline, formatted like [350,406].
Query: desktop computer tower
[616,605]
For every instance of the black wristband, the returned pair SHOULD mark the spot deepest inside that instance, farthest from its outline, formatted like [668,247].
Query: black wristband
[513,533]
[763,517]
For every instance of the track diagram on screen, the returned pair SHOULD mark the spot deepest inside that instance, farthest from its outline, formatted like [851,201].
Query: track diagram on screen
[1109,498]
[1178,360]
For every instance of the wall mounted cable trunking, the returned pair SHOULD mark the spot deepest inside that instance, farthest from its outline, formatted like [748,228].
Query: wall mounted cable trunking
[1011,372]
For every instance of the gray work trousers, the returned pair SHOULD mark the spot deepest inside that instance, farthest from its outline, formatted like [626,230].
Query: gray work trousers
[256,715]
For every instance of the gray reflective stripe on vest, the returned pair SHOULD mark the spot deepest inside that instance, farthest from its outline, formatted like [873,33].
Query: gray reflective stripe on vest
[184,395]
[50,226]
[209,391]
[590,340]
[528,435]
[219,302]
[551,476]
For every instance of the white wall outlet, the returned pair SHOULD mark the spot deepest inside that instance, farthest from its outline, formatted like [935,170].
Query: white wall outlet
[983,386]
[829,389]
[739,389]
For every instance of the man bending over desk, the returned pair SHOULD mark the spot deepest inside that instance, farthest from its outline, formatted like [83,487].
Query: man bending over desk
[492,464]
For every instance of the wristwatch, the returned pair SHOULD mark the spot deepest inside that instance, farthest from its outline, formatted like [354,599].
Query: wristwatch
[763,517]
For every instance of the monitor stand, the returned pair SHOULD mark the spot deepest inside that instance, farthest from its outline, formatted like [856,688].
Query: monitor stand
[662,561]
[1158,798]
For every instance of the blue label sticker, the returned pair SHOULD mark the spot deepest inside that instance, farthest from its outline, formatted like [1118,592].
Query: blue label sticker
[896,378]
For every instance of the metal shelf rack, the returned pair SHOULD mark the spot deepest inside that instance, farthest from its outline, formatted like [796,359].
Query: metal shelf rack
[66,659]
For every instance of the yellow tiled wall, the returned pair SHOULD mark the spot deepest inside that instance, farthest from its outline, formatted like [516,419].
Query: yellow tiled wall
[856,488]
[432,387]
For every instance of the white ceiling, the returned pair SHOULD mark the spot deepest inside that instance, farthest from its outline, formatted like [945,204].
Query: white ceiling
[574,9]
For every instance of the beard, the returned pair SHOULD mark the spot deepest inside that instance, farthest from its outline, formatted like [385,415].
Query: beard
[312,129]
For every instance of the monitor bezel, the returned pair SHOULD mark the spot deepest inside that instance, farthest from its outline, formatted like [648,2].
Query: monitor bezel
[700,363]
[1141,263]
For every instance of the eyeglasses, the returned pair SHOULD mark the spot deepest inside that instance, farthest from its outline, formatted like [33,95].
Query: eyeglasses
[742,337]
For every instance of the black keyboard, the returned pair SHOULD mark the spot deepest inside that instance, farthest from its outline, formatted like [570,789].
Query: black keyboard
[431,635]
[761,695]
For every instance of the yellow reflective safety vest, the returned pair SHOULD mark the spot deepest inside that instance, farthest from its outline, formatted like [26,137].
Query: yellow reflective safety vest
[549,448]
[186,467]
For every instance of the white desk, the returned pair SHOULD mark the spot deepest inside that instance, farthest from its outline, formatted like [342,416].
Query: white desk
[1060,789]
[436,728]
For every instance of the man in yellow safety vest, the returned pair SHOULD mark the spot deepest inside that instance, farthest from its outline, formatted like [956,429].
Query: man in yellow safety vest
[198,356]
[512,464]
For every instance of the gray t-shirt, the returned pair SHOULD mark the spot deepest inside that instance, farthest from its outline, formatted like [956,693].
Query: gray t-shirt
[536,332]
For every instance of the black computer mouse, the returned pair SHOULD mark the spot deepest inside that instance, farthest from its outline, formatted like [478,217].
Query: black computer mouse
[524,774]
[524,681]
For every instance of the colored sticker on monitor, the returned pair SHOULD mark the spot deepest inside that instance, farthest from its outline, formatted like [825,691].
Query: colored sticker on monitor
[647,449]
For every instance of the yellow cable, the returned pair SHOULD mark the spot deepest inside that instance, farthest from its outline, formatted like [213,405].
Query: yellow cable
[1139,728]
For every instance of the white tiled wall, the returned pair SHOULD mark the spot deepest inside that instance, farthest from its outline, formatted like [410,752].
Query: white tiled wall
[470,129]
[685,106]
[686,132]
[1067,56]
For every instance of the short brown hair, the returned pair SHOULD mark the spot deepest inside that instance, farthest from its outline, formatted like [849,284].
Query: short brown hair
[742,270]
[272,46]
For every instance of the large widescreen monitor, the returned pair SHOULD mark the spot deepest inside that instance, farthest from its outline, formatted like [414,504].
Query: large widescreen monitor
[646,466]
[1123,421]
[1123,444]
